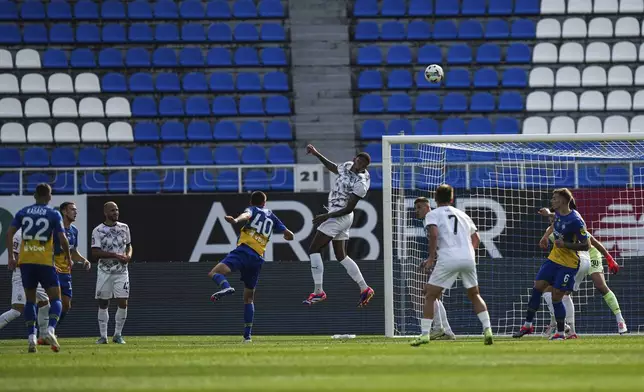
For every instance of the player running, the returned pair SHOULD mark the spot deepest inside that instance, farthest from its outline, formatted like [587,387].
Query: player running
[351,185]
[560,268]
[453,238]
[441,328]
[248,256]
[39,223]
[112,246]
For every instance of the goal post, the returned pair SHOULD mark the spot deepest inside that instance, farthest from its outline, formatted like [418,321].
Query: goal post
[501,181]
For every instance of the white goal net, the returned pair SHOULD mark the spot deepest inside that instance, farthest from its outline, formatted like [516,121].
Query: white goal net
[502,184]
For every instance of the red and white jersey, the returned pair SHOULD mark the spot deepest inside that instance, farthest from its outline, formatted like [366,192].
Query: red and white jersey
[455,229]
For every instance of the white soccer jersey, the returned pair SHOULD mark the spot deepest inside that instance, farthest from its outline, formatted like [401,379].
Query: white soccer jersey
[111,239]
[455,229]
[346,183]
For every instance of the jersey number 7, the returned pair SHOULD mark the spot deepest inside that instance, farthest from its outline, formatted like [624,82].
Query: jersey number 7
[452,216]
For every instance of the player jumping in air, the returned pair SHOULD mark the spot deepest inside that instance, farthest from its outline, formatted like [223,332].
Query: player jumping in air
[441,328]
[351,185]
[560,268]
[39,223]
[453,238]
[248,257]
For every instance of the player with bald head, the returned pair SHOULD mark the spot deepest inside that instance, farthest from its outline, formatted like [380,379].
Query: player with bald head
[112,247]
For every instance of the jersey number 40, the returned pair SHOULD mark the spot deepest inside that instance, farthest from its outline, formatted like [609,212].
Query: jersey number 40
[262,225]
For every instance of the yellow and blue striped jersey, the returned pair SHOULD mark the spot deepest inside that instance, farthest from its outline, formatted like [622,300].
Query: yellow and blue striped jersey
[39,223]
[569,228]
[62,265]
[258,229]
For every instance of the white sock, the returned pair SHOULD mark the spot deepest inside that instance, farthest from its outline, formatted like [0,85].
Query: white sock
[31,339]
[121,315]
[51,331]
[484,316]
[354,272]
[619,318]
[425,325]
[43,319]
[437,315]
[8,316]
[317,270]
[103,318]
[547,296]
[444,321]
[570,312]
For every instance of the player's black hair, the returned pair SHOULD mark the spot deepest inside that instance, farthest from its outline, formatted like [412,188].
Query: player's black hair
[257,199]
[365,156]
[64,205]
[42,190]
[421,200]
[444,194]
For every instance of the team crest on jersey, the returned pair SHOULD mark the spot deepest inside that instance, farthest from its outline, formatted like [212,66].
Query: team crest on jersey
[583,231]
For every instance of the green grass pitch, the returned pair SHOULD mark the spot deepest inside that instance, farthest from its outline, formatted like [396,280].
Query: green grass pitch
[319,363]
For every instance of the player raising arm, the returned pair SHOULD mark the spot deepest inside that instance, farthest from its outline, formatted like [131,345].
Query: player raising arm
[453,238]
[351,185]
[248,257]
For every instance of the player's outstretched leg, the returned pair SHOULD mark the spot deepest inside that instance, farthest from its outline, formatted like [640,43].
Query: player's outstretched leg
[11,314]
[55,308]
[610,299]
[432,293]
[249,314]
[317,268]
[569,328]
[533,305]
[218,275]
[340,250]
[552,328]
[30,322]
[43,321]
[480,308]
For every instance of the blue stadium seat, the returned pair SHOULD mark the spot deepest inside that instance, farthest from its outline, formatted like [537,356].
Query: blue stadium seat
[139,10]
[195,82]
[63,183]
[590,176]
[277,105]
[459,54]
[244,9]
[114,33]
[34,34]
[91,156]
[397,55]
[218,10]
[447,7]
[370,80]
[271,9]
[137,57]
[246,56]
[227,180]
[399,79]
[54,58]
[171,106]
[456,177]
[145,156]
[166,32]
[191,57]
[275,81]
[114,82]
[500,7]
[371,103]
[523,29]
[399,103]
[164,57]
[251,105]
[9,34]
[428,103]
[518,53]
[488,54]
[173,156]
[273,57]
[36,157]
[365,8]
[473,7]
[418,30]
[497,29]
[219,57]
[173,181]
[141,82]
[376,178]
[193,32]
[226,130]
[144,107]
[197,106]
[226,155]
[399,125]
[393,8]
[82,58]
[253,155]
[112,9]
[445,30]
[481,176]
[281,154]
[110,58]
[220,32]
[482,102]
[192,9]
[140,32]
[479,126]
[224,106]
[166,9]
[410,153]
[453,126]
[147,182]
[426,126]
[454,102]
[506,126]
[510,102]
[173,131]
[392,31]
[200,155]
[430,54]
[375,152]
[222,82]
[62,157]
[527,7]
[146,132]
[32,10]
[421,8]
[61,33]
[246,32]
[616,176]
[117,156]
[168,82]
[457,78]
[10,157]
[252,130]
[486,78]
[8,11]
[482,156]
[282,180]
[93,182]
[273,32]
[367,31]
[452,155]
[10,183]
[199,130]
[515,77]
[255,180]
[86,10]
[470,29]
[118,182]
[372,129]
[201,181]
[279,130]
[248,81]
[88,34]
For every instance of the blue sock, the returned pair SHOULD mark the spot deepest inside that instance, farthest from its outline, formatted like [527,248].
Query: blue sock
[249,312]
[560,315]
[62,316]
[30,318]
[56,307]
[221,281]
[533,305]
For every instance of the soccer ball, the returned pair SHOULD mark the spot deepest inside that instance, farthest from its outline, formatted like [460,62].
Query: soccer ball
[434,73]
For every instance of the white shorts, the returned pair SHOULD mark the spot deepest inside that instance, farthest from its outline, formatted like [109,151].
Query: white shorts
[110,286]
[337,228]
[18,292]
[582,272]
[445,274]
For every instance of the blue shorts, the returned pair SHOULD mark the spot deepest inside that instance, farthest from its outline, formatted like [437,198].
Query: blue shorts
[32,274]
[65,284]
[247,262]
[557,275]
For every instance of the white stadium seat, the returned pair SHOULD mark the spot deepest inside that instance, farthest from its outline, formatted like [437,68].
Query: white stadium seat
[637,124]
[28,58]
[571,52]
[10,108]
[605,7]
[94,132]
[642,52]
[33,84]
[574,28]
[553,7]
[8,84]
[624,52]
[627,27]
[620,75]
[593,76]
[60,83]
[580,7]
[565,101]
[12,133]
[597,52]
[39,132]
[631,6]
[6,60]
[568,77]
[37,108]
[91,107]
[639,76]
[591,101]
[535,126]
[66,132]
[548,28]
[87,83]
[542,77]
[600,28]
[120,132]
[619,100]
[589,124]
[616,125]
[65,107]
[117,107]
[545,53]
[562,125]
[538,101]
[638,100]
